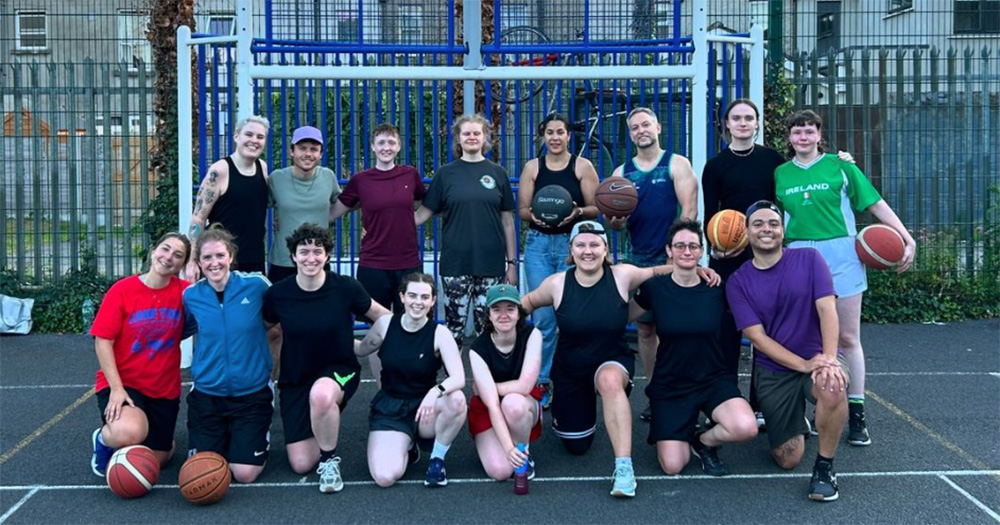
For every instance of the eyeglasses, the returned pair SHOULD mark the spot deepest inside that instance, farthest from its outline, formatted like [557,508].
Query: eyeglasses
[680,246]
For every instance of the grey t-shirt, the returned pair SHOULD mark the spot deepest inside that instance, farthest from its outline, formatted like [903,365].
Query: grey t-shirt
[296,202]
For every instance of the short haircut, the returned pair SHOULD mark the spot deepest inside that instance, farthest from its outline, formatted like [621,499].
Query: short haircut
[258,119]
[684,224]
[641,109]
[174,235]
[216,233]
[729,109]
[805,117]
[522,320]
[552,117]
[319,236]
[456,132]
[384,129]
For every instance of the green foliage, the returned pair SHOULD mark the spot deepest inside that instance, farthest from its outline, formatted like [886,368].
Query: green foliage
[58,306]
[779,102]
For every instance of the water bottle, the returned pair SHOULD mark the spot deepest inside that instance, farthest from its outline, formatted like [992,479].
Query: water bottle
[87,312]
[521,475]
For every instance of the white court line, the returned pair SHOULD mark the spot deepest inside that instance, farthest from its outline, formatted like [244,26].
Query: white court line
[17,505]
[971,498]
[570,479]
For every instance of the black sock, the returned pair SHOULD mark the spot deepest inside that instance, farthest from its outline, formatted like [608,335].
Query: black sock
[823,462]
[327,454]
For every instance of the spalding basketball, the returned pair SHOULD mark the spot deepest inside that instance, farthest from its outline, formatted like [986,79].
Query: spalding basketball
[132,471]
[616,197]
[204,478]
[879,247]
[552,204]
[727,231]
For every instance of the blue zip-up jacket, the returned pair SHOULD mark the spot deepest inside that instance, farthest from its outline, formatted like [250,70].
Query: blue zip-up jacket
[231,357]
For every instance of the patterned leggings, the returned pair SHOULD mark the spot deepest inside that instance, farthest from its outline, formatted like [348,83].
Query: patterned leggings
[465,292]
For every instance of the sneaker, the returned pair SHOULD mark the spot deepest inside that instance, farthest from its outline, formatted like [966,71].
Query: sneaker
[857,433]
[436,474]
[624,483]
[823,486]
[413,454]
[709,456]
[531,467]
[546,395]
[761,424]
[647,414]
[329,476]
[813,429]
[102,454]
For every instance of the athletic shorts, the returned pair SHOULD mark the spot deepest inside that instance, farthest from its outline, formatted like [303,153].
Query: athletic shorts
[277,273]
[675,417]
[295,419]
[782,396]
[383,285]
[238,427]
[395,414]
[479,416]
[161,414]
[848,274]
[645,262]
[574,405]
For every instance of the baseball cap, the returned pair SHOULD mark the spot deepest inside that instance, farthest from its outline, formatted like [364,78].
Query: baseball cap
[307,133]
[502,292]
[764,205]
[589,227]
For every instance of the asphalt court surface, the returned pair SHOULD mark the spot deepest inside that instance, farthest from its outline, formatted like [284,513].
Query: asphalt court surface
[933,398]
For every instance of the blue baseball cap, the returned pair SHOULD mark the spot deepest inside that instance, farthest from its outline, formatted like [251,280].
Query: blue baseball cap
[307,133]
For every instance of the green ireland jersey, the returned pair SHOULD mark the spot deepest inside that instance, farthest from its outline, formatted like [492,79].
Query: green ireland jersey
[819,199]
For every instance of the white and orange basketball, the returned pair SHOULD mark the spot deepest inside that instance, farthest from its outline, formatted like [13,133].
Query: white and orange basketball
[132,471]
[879,247]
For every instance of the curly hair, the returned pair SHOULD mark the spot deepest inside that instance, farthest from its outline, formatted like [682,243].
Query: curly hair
[309,233]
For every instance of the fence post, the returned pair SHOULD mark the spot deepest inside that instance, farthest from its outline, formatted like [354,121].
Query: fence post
[244,83]
[185,160]
[472,29]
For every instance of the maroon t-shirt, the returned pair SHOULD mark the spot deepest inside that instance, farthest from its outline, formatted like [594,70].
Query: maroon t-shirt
[386,197]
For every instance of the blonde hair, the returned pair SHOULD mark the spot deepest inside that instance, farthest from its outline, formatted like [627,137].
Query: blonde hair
[456,131]
[257,119]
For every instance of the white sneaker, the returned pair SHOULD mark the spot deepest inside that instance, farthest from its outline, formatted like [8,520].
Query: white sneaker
[329,476]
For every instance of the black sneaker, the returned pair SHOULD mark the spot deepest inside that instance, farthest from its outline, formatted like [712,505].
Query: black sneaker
[531,467]
[413,454]
[436,474]
[647,413]
[761,424]
[709,456]
[813,429]
[857,433]
[823,486]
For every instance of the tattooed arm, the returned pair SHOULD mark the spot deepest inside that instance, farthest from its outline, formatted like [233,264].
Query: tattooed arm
[212,187]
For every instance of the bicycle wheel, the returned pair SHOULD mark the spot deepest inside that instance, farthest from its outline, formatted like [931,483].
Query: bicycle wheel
[598,153]
[517,91]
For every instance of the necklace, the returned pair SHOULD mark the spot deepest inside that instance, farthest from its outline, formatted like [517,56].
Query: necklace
[748,152]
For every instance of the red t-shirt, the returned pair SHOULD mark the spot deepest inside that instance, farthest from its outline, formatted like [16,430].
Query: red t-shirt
[386,198]
[146,327]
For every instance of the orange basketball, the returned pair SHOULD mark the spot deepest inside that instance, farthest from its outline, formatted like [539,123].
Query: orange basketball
[879,247]
[132,471]
[616,197]
[204,478]
[727,231]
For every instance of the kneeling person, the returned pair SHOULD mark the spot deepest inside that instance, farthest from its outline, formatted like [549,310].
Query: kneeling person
[319,371]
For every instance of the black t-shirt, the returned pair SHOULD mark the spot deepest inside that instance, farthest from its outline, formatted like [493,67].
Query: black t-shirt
[409,363]
[470,197]
[317,327]
[687,321]
[734,182]
[503,367]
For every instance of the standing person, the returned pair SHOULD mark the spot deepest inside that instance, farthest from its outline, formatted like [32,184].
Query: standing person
[506,408]
[412,405]
[231,402]
[591,304]
[785,303]
[303,192]
[667,190]
[691,374]
[547,247]
[137,335]
[319,371]
[478,249]
[234,194]
[817,193]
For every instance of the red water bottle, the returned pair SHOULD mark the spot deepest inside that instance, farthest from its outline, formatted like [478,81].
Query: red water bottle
[521,475]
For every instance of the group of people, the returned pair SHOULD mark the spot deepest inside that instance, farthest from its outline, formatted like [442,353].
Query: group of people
[796,297]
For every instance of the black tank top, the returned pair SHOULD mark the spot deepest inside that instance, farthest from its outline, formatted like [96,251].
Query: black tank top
[243,211]
[591,323]
[409,366]
[566,178]
[503,367]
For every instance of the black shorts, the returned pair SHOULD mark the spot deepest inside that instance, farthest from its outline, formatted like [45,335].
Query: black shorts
[295,419]
[276,273]
[574,405]
[383,285]
[395,414]
[161,414]
[238,427]
[675,417]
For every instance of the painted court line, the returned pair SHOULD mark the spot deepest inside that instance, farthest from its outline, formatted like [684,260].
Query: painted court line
[17,505]
[971,498]
[562,479]
[45,427]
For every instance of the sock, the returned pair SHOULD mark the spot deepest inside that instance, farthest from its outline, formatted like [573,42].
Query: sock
[327,454]
[822,461]
[623,462]
[439,450]
[856,399]
[100,439]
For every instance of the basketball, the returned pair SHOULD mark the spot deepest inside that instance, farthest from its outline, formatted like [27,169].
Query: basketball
[727,231]
[552,204]
[132,471]
[204,478]
[879,247]
[616,197]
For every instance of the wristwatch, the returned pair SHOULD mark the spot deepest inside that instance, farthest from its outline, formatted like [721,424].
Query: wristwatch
[512,261]
[441,388]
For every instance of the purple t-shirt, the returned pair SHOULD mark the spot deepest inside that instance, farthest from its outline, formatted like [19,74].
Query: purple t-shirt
[386,197]
[783,299]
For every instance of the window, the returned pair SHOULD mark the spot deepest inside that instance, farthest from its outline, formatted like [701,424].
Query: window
[31,30]
[899,5]
[133,48]
[827,26]
[219,24]
[977,17]
[411,24]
